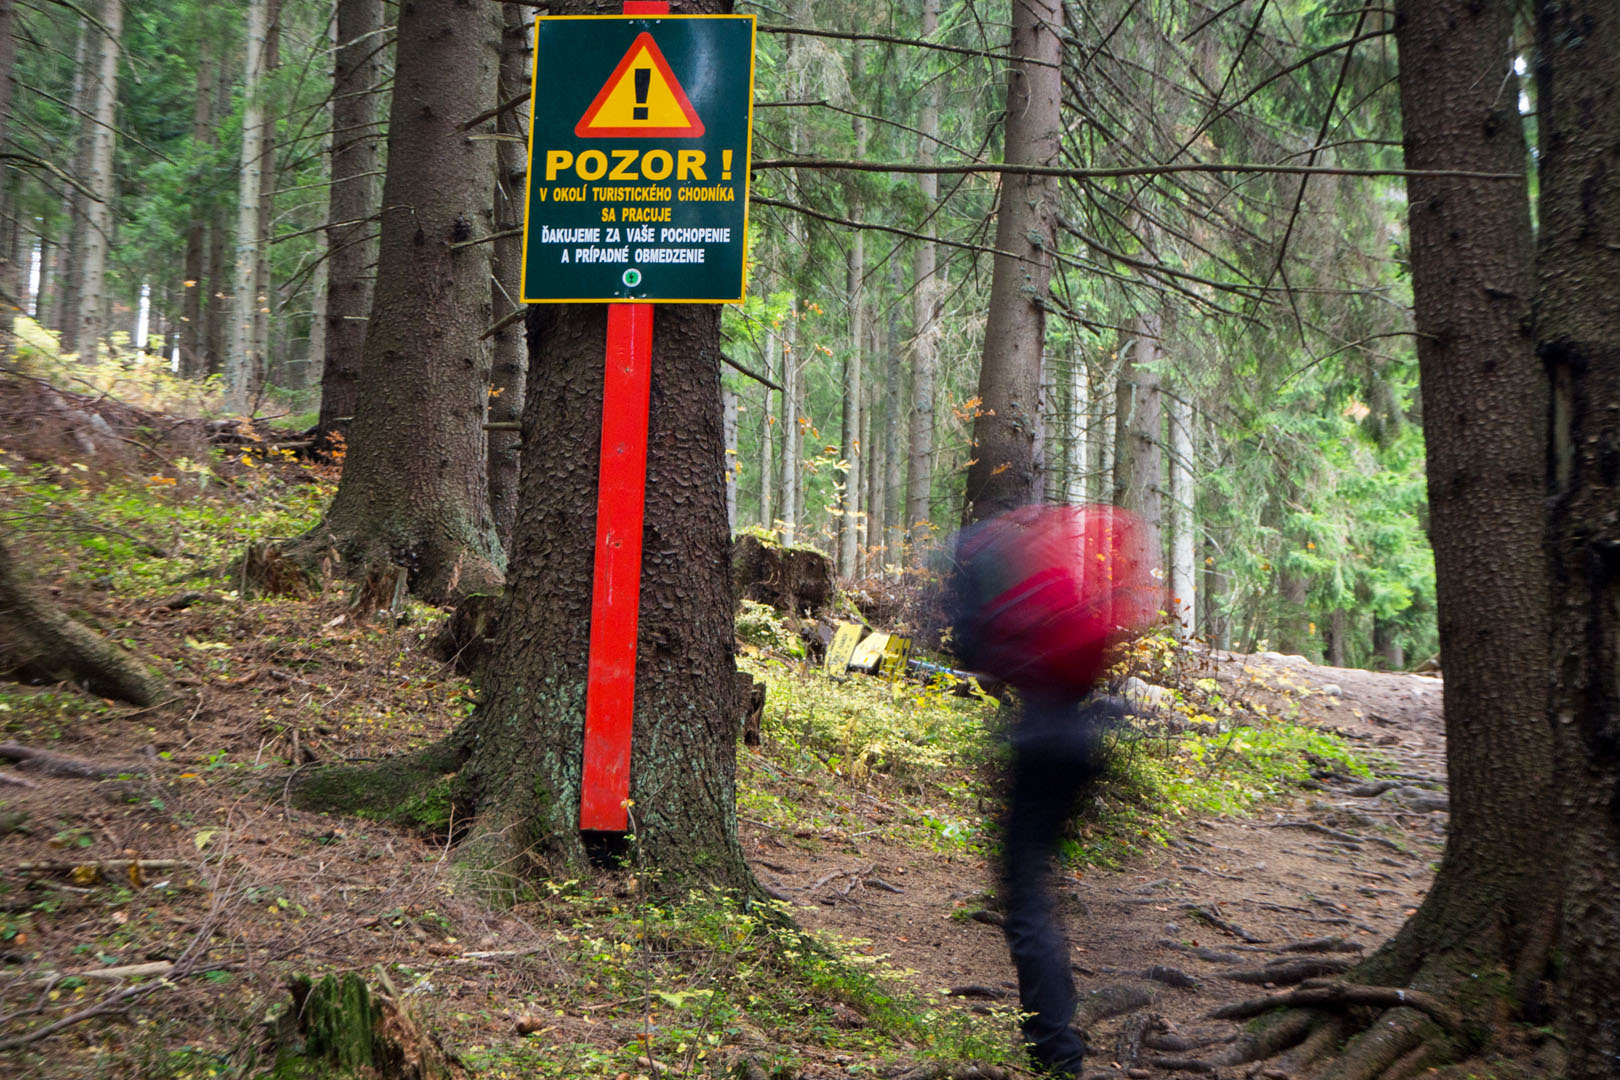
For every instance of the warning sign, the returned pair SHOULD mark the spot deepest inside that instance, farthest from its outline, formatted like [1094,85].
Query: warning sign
[638,159]
[641,99]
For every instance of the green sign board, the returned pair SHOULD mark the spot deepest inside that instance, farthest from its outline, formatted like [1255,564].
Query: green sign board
[638,159]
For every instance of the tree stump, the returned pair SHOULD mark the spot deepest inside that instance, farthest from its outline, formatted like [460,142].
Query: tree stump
[340,1023]
[793,580]
[752,696]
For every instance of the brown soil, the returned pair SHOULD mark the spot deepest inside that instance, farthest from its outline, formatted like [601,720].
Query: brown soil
[1181,925]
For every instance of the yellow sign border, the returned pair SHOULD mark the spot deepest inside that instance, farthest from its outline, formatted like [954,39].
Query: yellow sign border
[748,151]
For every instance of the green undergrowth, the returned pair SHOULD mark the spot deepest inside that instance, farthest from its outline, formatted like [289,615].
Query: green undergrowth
[137,535]
[139,379]
[924,763]
[696,983]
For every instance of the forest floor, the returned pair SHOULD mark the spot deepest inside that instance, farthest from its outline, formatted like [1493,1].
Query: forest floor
[151,919]
[1229,909]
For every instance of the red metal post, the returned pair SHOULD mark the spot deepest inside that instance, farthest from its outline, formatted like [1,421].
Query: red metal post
[610,691]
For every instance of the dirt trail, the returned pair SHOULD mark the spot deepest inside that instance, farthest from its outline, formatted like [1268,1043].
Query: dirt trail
[1232,910]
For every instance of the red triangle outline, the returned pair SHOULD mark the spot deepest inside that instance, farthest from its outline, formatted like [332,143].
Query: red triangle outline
[584,130]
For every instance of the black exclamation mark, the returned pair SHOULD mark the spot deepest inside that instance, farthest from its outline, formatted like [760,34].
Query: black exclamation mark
[643,82]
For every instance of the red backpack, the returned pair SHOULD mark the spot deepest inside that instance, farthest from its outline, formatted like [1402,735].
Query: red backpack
[1046,591]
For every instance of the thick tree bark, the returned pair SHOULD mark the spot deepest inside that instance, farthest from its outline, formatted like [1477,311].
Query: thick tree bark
[524,776]
[1003,473]
[1484,417]
[351,232]
[241,384]
[928,292]
[38,640]
[510,359]
[1578,341]
[98,218]
[414,490]
[523,746]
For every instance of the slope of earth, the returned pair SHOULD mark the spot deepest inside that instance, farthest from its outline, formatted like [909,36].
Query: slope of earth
[1230,909]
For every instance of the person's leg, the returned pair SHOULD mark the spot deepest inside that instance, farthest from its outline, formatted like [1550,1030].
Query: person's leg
[1054,757]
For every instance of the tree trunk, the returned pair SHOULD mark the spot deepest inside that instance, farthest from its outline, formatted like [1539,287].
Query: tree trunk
[351,232]
[872,526]
[13,272]
[928,293]
[38,641]
[1216,624]
[525,773]
[894,495]
[195,285]
[849,502]
[509,361]
[767,474]
[851,446]
[67,310]
[1484,420]
[1003,473]
[240,388]
[1104,428]
[98,219]
[264,292]
[1139,458]
[415,490]
[44,296]
[787,500]
[1578,341]
[1387,645]
[1184,543]
[1077,417]
[728,433]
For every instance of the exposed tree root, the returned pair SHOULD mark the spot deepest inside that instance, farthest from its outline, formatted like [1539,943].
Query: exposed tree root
[957,1070]
[1347,994]
[1317,1045]
[1271,1039]
[413,790]
[1396,1034]
[1290,970]
[1110,1001]
[50,763]
[37,640]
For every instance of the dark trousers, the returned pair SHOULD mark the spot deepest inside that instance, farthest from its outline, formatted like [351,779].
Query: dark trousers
[1055,745]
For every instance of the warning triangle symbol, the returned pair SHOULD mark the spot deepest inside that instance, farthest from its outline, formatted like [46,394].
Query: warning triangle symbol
[641,98]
